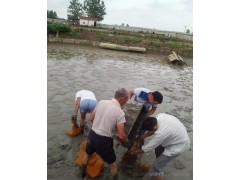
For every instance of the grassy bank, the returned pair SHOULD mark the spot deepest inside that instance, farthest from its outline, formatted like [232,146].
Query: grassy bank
[155,42]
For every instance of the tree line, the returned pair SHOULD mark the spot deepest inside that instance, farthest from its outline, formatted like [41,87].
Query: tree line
[90,8]
[51,14]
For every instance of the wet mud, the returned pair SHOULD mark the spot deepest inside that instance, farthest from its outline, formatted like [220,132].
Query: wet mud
[71,68]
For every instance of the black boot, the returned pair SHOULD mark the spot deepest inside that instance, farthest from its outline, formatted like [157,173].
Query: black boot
[84,166]
[115,177]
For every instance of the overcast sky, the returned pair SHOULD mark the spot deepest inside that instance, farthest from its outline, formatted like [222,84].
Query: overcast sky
[171,15]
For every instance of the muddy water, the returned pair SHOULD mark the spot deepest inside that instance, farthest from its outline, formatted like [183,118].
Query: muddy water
[71,68]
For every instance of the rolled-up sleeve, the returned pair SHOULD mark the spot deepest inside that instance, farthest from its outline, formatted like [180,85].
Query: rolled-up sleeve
[154,142]
[137,91]
[121,120]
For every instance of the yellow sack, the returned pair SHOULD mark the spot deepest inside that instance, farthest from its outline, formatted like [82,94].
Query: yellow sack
[95,164]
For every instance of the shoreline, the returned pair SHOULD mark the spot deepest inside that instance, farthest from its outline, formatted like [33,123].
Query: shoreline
[188,54]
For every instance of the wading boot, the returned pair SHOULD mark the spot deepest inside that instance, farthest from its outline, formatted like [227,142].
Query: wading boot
[115,177]
[82,129]
[83,170]
[75,128]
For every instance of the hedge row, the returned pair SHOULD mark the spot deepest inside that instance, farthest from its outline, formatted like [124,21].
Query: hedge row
[60,27]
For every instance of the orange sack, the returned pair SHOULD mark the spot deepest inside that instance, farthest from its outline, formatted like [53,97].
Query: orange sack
[95,164]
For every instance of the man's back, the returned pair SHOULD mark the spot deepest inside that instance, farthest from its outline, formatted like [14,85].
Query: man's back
[171,134]
[108,114]
[176,137]
[85,94]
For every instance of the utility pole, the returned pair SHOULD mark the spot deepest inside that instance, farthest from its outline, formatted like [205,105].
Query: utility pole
[185,29]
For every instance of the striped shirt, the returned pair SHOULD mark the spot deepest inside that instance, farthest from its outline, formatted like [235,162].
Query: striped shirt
[171,134]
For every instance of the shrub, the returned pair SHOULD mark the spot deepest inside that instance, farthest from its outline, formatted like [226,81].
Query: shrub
[136,40]
[100,36]
[156,43]
[175,45]
[127,39]
[60,27]
[74,33]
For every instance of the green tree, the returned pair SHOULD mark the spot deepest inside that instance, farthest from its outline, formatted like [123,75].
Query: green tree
[51,14]
[95,9]
[74,10]
[187,31]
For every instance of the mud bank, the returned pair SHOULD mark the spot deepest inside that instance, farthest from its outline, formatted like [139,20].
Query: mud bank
[71,68]
[188,54]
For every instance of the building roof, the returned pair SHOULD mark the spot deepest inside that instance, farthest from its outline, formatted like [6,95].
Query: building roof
[88,18]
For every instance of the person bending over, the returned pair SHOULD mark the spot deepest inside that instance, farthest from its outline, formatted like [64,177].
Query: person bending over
[148,98]
[169,140]
[85,102]
[107,117]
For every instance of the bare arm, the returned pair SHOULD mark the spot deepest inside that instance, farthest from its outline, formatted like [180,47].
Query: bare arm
[147,134]
[92,115]
[131,93]
[77,104]
[121,133]
[152,111]
[137,151]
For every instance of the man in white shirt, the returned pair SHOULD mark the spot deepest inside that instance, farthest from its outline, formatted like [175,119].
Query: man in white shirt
[85,102]
[171,135]
[106,117]
[149,98]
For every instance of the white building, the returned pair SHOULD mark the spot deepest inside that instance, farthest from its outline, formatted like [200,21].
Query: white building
[87,21]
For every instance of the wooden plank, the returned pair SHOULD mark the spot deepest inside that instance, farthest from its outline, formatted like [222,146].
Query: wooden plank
[176,56]
[181,59]
[138,123]
[171,57]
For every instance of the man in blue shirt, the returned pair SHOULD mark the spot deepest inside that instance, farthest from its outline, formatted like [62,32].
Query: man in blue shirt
[148,98]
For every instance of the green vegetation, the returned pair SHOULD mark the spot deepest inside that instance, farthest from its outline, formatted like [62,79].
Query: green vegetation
[92,8]
[140,39]
[156,43]
[74,33]
[74,10]
[174,44]
[136,40]
[131,40]
[127,39]
[95,9]
[57,27]
[51,14]
[100,36]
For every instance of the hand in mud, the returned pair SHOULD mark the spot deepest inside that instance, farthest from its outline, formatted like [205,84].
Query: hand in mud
[74,118]
[127,144]
[140,138]
[133,147]
[132,150]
